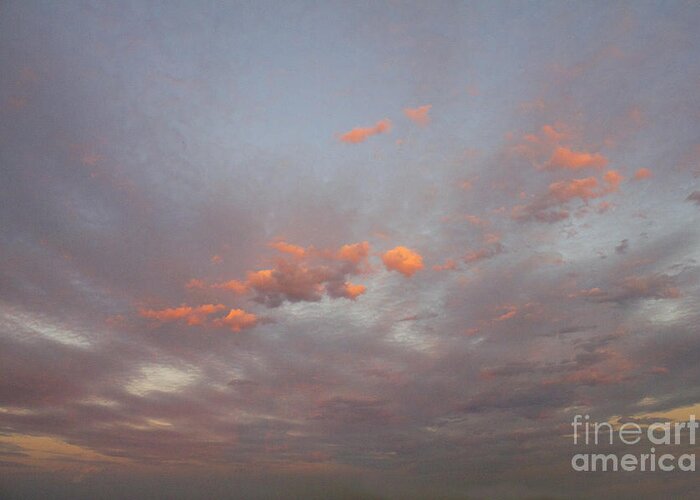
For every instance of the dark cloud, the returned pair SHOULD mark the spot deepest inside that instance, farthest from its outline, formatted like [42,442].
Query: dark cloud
[632,288]
[622,247]
[694,197]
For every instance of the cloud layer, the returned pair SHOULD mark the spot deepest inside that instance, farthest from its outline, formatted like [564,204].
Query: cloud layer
[222,274]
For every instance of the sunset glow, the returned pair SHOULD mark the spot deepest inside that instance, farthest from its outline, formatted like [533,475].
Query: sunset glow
[347,250]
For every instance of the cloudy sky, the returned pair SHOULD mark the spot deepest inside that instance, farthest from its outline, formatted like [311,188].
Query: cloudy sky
[343,249]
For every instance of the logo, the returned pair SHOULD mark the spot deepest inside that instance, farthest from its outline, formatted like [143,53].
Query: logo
[663,438]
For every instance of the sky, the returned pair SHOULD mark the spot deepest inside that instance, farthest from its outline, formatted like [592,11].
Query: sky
[343,249]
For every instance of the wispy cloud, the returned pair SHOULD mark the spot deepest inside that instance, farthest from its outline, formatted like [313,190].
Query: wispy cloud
[361,134]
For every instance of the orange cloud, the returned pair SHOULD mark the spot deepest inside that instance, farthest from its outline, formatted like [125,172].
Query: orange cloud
[492,238]
[659,287]
[483,253]
[510,311]
[613,179]
[603,207]
[16,102]
[449,265]
[642,173]
[593,376]
[195,284]
[403,260]
[354,253]
[353,291]
[492,247]
[90,159]
[360,134]
[237,320]
[586,188]
[290,281]
[565,158]
[191,315]
[631,288]
[303,274]
[538,145]
[551,207]
[552,134]
[288,248]
[261,279]
[475,220]
[419,115]
[575,188]
[472,331]
[235,286]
